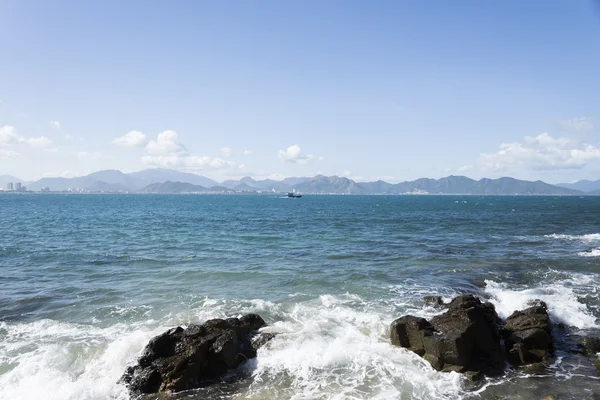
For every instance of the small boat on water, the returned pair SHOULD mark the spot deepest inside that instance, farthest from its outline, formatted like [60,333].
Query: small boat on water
[294,194]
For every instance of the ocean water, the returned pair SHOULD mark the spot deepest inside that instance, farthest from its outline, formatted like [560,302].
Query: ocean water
[87,280]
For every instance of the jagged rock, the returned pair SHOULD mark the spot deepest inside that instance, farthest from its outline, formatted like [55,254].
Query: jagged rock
[537,303]
[528,336]
[182,359]
[480,283]
[591,345]
[465,338]
[435,301]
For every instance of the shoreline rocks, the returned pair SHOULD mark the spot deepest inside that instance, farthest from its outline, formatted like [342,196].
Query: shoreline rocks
[528,336]
[464,338]
[182,359]
[470,337]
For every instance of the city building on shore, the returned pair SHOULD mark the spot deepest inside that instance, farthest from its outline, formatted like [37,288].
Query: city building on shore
[14,187]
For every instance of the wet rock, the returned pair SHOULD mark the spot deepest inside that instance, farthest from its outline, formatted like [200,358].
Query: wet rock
[480,283]
[597,365]
[435,301]
[591,345]
[182,359]
[537,303]
[528,336]
[535,368]
[465,338]
[261,339]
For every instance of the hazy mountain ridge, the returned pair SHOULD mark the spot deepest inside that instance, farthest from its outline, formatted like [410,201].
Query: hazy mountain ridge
[182,187]
[584,185]
[170,181]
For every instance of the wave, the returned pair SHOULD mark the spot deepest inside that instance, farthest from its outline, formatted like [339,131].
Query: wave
[587,238]
[591,253]
[563,302]
[330,347]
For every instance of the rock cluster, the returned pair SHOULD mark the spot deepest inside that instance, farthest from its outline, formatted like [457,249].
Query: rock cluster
[468,337]
[464,338]
[182,359]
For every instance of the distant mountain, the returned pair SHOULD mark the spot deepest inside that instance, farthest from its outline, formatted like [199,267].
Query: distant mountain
[148,176]
[170,181]
[114,180]
[294,181]
[329,184]
[248,183]
[448,185]
[6,179]
[583,185]
[182,187]
[378,187]
[485,186]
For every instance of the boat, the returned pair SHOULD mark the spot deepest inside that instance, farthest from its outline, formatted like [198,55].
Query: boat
[294,195]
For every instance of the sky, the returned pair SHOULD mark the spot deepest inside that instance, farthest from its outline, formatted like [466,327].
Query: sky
[393,90]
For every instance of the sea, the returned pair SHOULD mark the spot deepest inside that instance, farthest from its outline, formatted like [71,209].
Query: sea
[87,280]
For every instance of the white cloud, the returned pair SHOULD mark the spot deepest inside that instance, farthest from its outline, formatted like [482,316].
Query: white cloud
[582,124]
[542,152]
[55,124]
[247,152]
[40,142]
[465,168]
[293,154]
[9,135]
[131,139]
[166,142]
[168,152]
[226,151]
[5,154]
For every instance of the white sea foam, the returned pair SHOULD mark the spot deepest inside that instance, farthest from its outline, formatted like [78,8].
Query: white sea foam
[563,303]
[591,253]
[331,347]
[588,238]
[55,360]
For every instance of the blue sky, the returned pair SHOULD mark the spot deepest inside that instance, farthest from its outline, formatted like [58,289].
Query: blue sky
[385,89]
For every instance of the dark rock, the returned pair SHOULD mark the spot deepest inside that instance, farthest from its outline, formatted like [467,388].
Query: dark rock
[535,368]
[465,338]
[479,283]
[537,303]
[528,336]
[435,301]
[473,376]
[182,359]
[591,345]
[597,365]
[261,339]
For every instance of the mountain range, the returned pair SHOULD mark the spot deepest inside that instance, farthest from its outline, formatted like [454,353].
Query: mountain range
[583,185]
[171,181]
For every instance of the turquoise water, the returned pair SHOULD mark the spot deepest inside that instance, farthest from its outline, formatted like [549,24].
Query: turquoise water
[86,280]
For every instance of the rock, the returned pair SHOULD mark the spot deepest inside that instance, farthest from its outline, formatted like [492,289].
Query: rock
[535,368]
[591,345]
[465,338]
[537,303]
[261,339]
[480,283]
[435,301]
[597,365]
[182,359]
[528,336]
